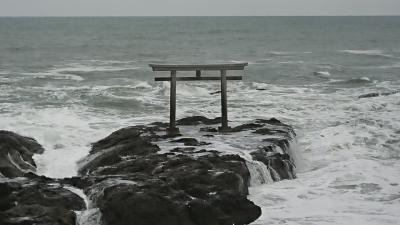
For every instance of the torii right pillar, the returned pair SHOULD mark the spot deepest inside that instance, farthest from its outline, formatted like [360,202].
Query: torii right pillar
[224,104]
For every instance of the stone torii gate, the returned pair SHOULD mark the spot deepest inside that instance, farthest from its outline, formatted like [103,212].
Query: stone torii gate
[173,68]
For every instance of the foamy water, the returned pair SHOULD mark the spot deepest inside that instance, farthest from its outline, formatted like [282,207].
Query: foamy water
[348,148]
[69,83]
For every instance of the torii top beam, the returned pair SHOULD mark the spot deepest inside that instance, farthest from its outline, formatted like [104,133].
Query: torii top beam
[195,67]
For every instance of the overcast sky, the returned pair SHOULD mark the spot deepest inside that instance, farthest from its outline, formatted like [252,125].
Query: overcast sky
[197,7]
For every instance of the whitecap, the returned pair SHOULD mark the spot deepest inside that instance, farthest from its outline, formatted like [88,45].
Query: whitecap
[291,62]
[54,75]
[77,67]
[283,53]
[323,74]
[372,52]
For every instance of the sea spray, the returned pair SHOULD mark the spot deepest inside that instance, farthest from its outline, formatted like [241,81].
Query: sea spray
[259,173]
[91,215]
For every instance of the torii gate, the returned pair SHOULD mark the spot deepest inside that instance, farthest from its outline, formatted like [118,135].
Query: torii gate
[173,68]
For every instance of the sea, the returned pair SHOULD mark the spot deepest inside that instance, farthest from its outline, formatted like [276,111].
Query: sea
[68,82]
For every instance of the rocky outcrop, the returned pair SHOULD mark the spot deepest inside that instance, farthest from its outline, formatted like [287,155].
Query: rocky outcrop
[196,120]
[132,183]
[16,153]
[37,200]
[132,179]
[376,94]
[26,198]
[274,150]
[190,142]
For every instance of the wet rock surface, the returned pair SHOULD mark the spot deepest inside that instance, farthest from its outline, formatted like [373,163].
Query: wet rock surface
[376,94]
[133,177]
[16,153]
[26,198]
[274,150]
[166,188]
[134,181]
[37,200]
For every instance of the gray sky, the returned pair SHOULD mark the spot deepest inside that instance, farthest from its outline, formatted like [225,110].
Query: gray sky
[197,7]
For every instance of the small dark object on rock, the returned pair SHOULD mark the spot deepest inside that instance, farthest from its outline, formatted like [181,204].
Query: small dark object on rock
[269,131]
[208,129]
[248,126]
[190,142]
[196,120]
[375,94]
[215,92]
[369,95]
[185,149]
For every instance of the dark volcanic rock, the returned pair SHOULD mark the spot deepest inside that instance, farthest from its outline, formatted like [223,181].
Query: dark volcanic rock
[124,205]
[27,198]
[190,142]
[37,201]
[208,129]
[126,142]
[281,142]
[132,183]
[196,120]
[369,95]
[274,153]
[375,94]
[37,214]
[266,127]
[248,126]
[16,153]
[280,165]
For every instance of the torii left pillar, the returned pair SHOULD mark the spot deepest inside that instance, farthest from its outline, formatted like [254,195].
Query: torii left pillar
[172,129]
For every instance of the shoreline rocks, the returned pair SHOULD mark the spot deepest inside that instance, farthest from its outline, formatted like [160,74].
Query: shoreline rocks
[376,94]
[166,188]
[26,198]
[16,153]
[132,179]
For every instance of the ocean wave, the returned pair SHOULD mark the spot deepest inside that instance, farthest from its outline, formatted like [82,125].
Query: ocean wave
[109,62]
[353,81]
[19,49]
[330,67]
[291,62]
[260,61]
[323,74]
[91,68]
[76,71]
[390,66]
[286,53]
[373,52]
[54,75]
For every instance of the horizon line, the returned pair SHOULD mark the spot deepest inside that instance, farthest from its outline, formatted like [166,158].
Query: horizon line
[119,16]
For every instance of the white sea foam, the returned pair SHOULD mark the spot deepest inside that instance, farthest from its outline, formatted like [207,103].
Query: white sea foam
[55,75]
[77,67]
[348,170]
[281,53]
[389,66]
[373,52]
[323,74]
[347,174]
[70,71]
[292,62]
